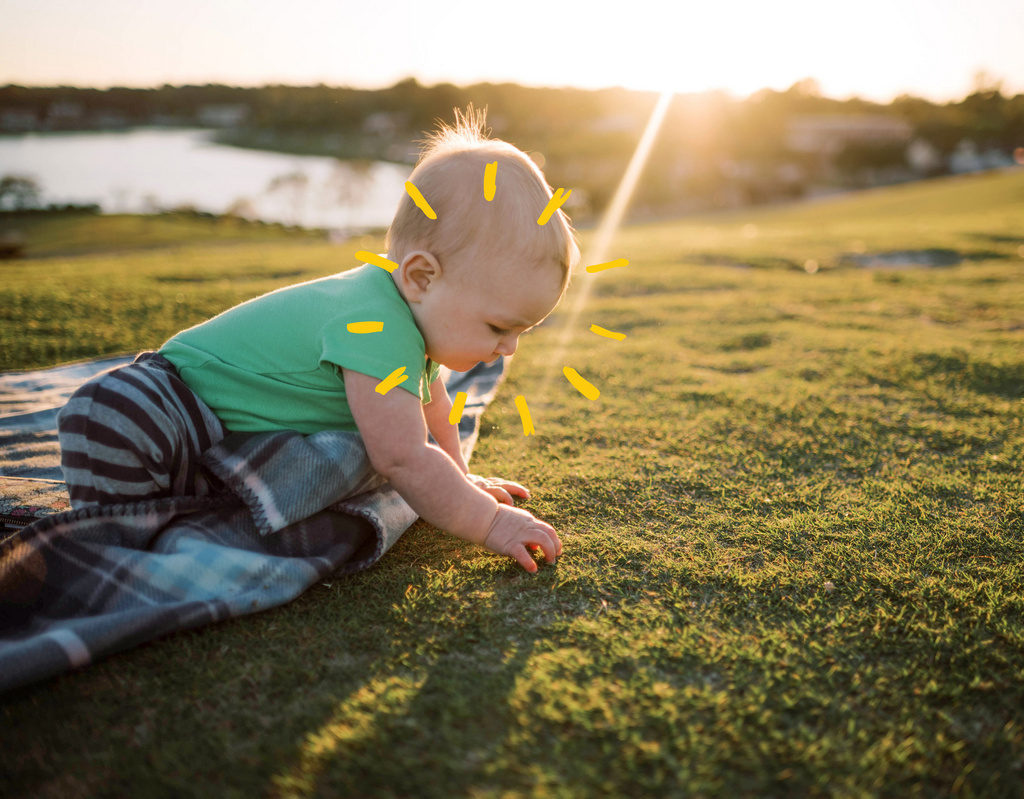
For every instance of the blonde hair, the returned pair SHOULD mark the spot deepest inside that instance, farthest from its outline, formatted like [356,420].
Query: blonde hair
[450,175]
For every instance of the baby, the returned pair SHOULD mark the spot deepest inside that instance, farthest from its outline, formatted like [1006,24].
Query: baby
[467,285]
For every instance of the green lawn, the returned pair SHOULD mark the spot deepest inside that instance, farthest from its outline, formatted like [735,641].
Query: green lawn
[109,284]
[793,527]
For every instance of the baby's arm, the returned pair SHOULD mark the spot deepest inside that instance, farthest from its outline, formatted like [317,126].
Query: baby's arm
[446,435]
[444,432]
[394,431]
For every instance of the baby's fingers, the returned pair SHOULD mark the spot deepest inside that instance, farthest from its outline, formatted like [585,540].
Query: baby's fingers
[545,537]
[516,489]
[496,482]
[500,494]
[538,539]
[553,541]
[521,555]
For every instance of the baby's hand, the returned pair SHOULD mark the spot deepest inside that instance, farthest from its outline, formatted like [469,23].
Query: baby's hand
[513,530]
[501,490]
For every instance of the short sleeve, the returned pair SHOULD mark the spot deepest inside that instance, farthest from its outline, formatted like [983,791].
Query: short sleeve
[398,345]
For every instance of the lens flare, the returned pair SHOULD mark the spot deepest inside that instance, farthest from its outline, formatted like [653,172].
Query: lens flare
[610,223]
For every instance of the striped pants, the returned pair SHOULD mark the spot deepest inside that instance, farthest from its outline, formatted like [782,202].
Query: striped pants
[135,433]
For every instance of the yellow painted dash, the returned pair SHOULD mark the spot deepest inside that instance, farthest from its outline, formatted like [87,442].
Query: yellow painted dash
[396,378]
[420,200]
[524,414]
[586,389]
[490,180]
[365,327]
[606,333]
[609,265]
[455,414]
[553,205]
[376,260]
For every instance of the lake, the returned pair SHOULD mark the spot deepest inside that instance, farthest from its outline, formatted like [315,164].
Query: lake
[148,170]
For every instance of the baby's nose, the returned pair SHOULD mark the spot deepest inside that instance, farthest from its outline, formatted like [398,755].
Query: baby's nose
[508,346]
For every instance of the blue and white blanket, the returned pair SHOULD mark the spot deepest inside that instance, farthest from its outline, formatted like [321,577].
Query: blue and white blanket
[79,585]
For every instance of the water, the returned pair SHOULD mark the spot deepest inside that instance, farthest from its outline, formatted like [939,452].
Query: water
[147,170]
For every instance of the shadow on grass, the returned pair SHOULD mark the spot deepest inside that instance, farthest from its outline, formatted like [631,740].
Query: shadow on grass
[981,376]
[415,730]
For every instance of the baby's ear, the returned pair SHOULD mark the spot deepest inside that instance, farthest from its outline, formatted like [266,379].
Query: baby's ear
[416,272]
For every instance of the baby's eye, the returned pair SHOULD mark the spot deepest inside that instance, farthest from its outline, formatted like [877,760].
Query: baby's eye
[500,331]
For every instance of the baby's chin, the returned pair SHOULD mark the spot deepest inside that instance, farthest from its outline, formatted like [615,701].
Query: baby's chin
[464,366]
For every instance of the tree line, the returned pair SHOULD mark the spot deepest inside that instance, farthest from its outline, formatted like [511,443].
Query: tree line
[710,143]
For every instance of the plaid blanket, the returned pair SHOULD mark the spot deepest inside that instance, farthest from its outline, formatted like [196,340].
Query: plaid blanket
[31,481]
[79,585]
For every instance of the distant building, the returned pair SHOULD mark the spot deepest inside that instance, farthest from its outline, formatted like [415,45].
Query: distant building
[167,120]
[64,114]
[828,134]
[923,157]
[967,158]
[109,119]
[223,116]
[17,120]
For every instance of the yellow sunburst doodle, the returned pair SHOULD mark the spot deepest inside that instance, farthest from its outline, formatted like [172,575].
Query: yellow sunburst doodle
[610,265]
[365,327]
[396,378]
[420,200]
[606,333]
[524,414]
[553,205]
[455,414]
[376,260]
[490,180]
[585,388]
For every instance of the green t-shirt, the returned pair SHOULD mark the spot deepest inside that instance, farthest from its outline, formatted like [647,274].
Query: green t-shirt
[274,362]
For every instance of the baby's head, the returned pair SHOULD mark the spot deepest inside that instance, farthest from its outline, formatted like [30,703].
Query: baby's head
[450,175]
[485,252]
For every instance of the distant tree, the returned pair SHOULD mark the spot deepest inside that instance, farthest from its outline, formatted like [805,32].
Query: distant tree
[986,114]
[18,193]
[808,87]
[984,82]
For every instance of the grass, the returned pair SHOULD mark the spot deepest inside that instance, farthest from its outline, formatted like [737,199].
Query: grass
[111,284]
[793,528]
[47,235]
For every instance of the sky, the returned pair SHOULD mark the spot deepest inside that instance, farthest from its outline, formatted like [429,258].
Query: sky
[874,49]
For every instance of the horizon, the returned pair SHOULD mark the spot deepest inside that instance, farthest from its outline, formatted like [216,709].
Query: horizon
[995,85]
[937,50]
